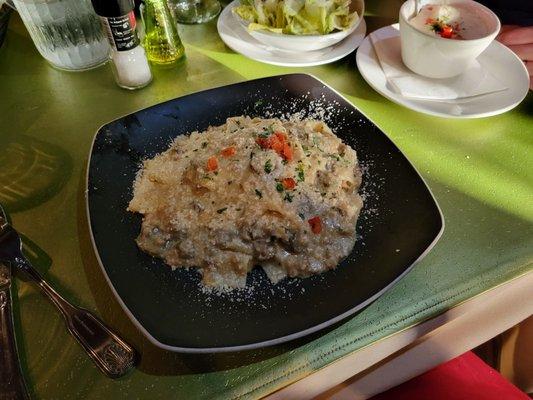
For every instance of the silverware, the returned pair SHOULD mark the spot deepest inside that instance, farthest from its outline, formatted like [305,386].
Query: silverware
[111,354]
[12,386]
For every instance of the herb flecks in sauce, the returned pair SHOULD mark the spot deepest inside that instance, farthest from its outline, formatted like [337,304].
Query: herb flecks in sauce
[251,197]
[268,166]
[300,171]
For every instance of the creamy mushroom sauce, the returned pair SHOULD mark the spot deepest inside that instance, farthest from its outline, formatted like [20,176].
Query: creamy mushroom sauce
[279,194]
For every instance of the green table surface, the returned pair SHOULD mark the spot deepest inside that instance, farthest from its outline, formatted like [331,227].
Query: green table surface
[479,170]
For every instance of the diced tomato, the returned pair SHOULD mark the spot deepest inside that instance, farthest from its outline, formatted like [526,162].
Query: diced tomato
[446,32]
[264,143]
[212,164]
[287,152]
[281,136]
[276,144]
[228,151]
[316,225]
[289,183]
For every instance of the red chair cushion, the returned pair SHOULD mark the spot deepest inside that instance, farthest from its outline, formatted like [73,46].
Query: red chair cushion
[466,377]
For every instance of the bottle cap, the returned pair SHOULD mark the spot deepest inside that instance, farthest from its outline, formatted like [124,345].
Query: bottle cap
[113,8]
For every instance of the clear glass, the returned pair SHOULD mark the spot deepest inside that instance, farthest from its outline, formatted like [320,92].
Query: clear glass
[67,33]
[161,40]
[194,11]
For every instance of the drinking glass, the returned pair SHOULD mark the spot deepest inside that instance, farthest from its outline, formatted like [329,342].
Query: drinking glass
[194,11]
[67,33]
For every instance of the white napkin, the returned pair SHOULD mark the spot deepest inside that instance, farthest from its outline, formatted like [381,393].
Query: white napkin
[475,81]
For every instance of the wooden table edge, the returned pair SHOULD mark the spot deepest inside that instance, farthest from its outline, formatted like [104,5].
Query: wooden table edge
[417,349]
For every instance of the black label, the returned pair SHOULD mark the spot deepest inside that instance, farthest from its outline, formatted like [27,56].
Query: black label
[121,31]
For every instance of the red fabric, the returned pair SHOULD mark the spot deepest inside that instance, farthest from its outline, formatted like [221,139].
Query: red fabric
[466,377]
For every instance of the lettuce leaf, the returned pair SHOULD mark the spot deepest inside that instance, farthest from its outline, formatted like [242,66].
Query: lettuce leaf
[297,17]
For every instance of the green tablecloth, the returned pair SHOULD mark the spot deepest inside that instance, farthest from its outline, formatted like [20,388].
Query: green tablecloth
[479,170]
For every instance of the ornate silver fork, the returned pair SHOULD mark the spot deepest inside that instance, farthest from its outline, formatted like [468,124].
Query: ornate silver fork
[12,386]
[110,353]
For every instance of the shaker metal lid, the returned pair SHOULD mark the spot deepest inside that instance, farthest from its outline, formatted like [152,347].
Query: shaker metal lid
[113,8]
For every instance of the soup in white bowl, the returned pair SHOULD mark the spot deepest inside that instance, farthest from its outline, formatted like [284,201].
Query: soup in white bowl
[458,21]
[424,49]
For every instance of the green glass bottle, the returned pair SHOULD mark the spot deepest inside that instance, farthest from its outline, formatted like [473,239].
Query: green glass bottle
[161,40]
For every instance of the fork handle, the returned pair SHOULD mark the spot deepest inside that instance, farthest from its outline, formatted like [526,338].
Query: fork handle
[110,353]
[12,385]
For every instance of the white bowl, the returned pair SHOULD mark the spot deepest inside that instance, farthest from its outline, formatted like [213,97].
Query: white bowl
[436,57]
[302,43]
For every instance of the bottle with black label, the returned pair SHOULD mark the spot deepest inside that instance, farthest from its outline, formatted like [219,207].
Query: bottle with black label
[130,64]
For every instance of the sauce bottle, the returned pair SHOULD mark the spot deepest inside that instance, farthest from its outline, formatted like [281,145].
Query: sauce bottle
[161,40]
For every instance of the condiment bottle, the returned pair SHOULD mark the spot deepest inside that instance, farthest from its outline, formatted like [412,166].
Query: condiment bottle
[161,40]
[130,66]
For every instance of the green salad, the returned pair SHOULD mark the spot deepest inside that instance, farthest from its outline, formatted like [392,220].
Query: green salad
[297,17]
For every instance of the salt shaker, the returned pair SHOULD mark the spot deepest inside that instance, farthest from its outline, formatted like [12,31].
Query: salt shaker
[130,65]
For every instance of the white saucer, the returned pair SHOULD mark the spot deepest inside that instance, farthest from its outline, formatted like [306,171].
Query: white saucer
[497,58]
[234,34]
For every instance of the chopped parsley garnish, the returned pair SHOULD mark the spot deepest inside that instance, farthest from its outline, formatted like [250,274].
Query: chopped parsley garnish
[279,187]
[316,144]
[300,172]
[288,197]
[436,26]
[284,162]
[267,131]
[195,150]
[258,193]
[258,103]
[207,177]
[441,27]
[301,216]
[268,166]
[221,210]
[204,145]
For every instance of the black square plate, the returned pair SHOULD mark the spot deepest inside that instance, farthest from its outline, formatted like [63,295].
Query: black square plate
[400,222]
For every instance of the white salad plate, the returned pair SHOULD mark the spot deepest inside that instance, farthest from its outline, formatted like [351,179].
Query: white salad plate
[497,59]
[237,38]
